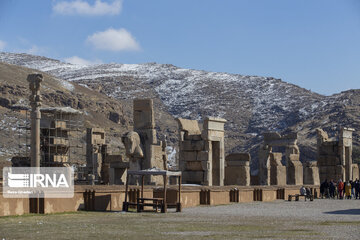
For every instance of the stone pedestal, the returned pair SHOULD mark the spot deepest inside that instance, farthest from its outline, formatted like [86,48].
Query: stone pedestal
[237,169]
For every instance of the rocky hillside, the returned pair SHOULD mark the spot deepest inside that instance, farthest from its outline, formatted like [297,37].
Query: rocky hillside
[97,109]
[251,104]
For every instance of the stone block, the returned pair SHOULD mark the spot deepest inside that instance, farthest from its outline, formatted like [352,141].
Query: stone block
[149,135]
[143,120]
[143,104]
[192,145]
[212,135]
[202,156]
[113,158]
[188,156]
[190,126]
[294,157]
[197,165]
[212,123]
[328,160]
[192,137]
[156,154]
[237,163]
[193,177]
[237,175]
[238,157]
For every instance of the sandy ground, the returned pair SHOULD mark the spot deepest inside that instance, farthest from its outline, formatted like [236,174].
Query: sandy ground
[320,219]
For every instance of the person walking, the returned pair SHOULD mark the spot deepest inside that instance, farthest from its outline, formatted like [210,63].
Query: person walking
[352,188]
[340,189]
[348,190]
[332,189]
[357,188]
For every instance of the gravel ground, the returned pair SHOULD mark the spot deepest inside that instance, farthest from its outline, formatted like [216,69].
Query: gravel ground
[332,219]
[320,219]
[317,210]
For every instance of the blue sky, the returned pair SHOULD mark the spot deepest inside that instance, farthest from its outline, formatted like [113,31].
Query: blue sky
[313,44]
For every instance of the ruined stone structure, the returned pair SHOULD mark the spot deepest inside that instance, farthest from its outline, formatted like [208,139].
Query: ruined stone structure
[142,146]
[335,156]
[202,154]
[35,115]
[294,169]
[264,165]
[277,169]
[116,168]
[101,165]
[237,169]
[311,173]
[95,151]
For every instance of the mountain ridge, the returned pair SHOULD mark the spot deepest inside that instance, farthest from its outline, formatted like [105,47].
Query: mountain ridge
[251,104]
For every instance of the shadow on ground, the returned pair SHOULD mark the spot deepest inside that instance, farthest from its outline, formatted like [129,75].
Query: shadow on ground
[347,212]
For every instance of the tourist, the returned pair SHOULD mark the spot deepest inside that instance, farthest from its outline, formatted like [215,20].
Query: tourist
[340,189]
[303,191]
[352,188]
[348,190]
[322,189]
[357,188]
[332,189]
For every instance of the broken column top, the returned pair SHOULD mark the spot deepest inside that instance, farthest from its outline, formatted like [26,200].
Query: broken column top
[190,126]
[34,85]
[143,104]
[214,123]
[144,114]
[34,80]
[346,132]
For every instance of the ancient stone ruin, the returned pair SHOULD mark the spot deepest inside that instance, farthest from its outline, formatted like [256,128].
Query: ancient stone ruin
[271,170]
[201,153]
[95,152]
[103,167]
[311,173]
[35,115]
[143,148]
[237,169]
[335,156]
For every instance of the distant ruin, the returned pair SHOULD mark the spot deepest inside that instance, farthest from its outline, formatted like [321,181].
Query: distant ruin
[335,156]
[143,148]
[271,170]
[237,169]
[202,153]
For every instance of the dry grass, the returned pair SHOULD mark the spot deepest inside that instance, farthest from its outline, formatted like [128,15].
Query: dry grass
[118,225]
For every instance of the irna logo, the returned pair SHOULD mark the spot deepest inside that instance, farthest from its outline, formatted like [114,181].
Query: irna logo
[29,182]
[37,180]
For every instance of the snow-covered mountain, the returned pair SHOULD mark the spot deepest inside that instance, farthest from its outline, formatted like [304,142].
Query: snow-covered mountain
[251,104]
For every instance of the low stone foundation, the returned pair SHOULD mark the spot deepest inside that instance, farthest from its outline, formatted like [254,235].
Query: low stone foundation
[110,198]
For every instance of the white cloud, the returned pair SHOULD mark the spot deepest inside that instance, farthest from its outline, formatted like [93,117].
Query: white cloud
[80,7]
[113,40]
[2,45]
[36,50]
[80,61]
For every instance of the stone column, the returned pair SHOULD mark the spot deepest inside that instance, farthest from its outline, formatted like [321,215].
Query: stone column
[35,102]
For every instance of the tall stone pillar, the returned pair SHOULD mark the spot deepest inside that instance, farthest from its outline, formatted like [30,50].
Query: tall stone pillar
[35,116]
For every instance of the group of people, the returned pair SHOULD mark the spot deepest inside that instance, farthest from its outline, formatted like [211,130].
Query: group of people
[340,190]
